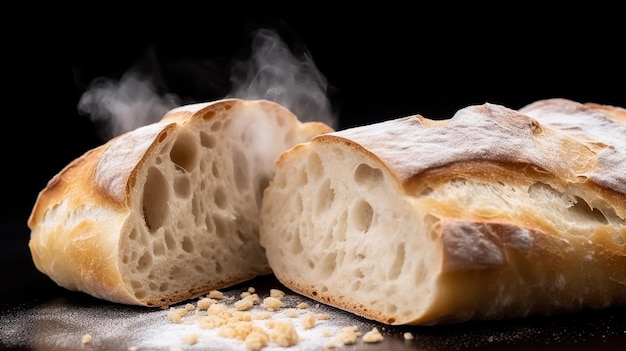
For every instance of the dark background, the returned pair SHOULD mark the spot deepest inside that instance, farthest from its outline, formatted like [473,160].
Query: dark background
[380,63]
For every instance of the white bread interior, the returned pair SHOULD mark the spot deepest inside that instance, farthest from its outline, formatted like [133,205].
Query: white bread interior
[168,211]
[494,213]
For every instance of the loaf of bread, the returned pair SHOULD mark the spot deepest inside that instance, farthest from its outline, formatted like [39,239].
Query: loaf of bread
[493,213]
[168,211]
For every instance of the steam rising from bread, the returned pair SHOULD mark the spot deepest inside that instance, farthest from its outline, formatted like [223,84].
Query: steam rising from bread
[272,72]
[117,107]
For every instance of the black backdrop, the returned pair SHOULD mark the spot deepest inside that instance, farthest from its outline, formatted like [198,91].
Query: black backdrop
[379,63]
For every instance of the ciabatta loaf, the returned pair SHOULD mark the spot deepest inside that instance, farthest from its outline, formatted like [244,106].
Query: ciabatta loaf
[493,213]
[168,211]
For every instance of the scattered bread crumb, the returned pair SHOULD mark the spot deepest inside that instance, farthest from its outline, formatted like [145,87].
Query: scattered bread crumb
[308,321]
[205,303]
[279,294]
[348,335]
[215,294]
[291,312]
[176,314]
[408,336]
[303,305]
[133,348]
[190,339]
[86,339]
[373,336]
[272,303]
[256,340]
[247,302]
[284,334]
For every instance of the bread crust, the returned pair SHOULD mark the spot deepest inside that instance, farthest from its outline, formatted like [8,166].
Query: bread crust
[542,232]
[82,218]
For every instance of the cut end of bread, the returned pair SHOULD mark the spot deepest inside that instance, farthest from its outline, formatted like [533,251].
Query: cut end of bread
[332,231]
[199,210]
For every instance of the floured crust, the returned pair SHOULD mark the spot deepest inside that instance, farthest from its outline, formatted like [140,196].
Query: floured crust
[505,214]
[82,220]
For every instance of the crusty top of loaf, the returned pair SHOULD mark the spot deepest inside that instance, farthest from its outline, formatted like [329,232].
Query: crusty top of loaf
[579,143]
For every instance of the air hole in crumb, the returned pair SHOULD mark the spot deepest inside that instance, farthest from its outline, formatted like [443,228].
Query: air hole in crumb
[187,244]
[328,264]
[176,272]
[155,196]
[158,249]
[184,152]
[361,215]
[216,126]
[196,209]
[358,273]
[296,244]
[367,176]
[584,213]
[303,178]
[241,235]
[262,183]
[145,262]
[314,165]
[210,226]
[398,262]
[215,170]
[220,198]
[325,196]
[199,269]
[170,240]
[240,167]
[182,186]
[220,227]
[207,140]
